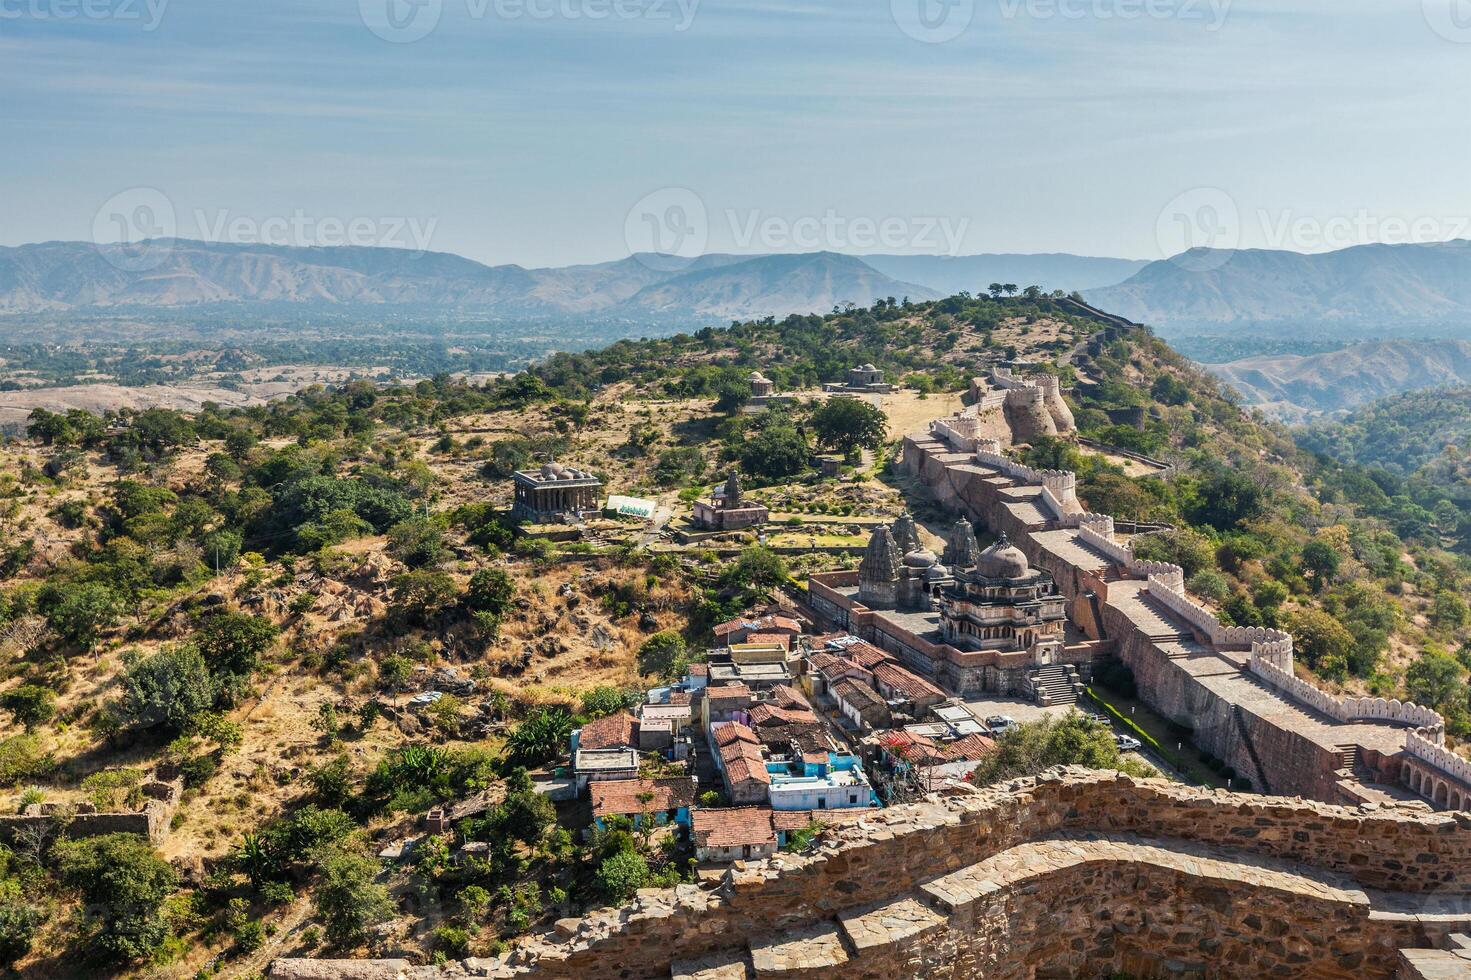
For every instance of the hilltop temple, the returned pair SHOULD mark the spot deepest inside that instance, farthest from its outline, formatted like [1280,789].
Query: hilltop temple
[555,494]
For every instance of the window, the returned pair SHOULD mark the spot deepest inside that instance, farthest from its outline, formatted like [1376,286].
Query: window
[853,798]
[822,802]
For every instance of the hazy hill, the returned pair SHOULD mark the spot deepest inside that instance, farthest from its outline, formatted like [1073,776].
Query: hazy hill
[1372,290]
[973,273]
[1292,386]
[69,276]
[774,284]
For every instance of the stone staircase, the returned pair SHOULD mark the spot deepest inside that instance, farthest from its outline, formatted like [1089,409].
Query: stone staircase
[1055,685]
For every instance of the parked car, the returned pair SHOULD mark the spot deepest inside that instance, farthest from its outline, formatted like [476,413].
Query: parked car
[1126,743]
[1000,724]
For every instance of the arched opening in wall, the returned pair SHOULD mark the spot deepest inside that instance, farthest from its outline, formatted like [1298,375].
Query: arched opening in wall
[1455,802]
[1440,795]
[1407,775]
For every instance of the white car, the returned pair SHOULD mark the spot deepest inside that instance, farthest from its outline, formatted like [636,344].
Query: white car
[1000,723]
[1126,743]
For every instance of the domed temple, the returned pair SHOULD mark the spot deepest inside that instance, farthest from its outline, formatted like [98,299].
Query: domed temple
[1004,604]
[972,621]
[555,494]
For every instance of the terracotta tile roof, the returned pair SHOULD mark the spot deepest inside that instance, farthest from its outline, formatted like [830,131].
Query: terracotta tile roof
[733,731]
[820,662]
[896,678]
[740,754]
[680,697]
[621,796]
[791,819]
[732,827]
[611,732]
[921,751]
[698,670]
[857,693]
[767,714]
[789,697]
[969,749]
[770,639]
[770,623]
[865,654]
[728,692]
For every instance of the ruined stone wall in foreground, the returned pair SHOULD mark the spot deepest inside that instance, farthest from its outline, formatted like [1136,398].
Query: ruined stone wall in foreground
[1076,871]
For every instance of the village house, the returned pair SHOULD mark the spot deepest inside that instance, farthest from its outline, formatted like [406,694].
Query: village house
[861,704]
[724,702]
[740,630]
[741,763]
[614,731]
[592,765]
[733,834]
[665,800]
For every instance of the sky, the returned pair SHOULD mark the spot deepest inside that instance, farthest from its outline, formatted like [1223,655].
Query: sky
[552,132]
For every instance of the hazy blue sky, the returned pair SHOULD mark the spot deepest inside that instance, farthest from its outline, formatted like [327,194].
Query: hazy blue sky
[526,130]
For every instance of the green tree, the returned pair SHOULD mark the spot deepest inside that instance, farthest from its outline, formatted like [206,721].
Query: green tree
[757,569]
[419,596]
[539,738]
[1435,681]
[417,542]
[168,689]
[661,653]
[348,900]
[1072,740]
[490,590]
[1227,498]
[82,611]
[776,452]
[232,643]
[122,876]
[31,704]
[19,919]
[1323,641]
[605,700]
[620,876]
[1320,561]
[846,425]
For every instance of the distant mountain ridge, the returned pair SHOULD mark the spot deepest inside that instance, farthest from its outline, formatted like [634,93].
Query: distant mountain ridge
[1371,290]
[67,276]
[951,274]
[1294,387]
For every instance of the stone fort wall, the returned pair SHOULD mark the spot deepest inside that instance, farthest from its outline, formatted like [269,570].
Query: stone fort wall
[1074,873]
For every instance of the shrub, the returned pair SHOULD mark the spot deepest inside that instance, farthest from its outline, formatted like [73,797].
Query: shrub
[621,875]
[121,875]
[31,704]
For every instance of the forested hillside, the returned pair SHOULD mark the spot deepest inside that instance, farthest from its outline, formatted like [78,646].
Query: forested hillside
[246,599]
